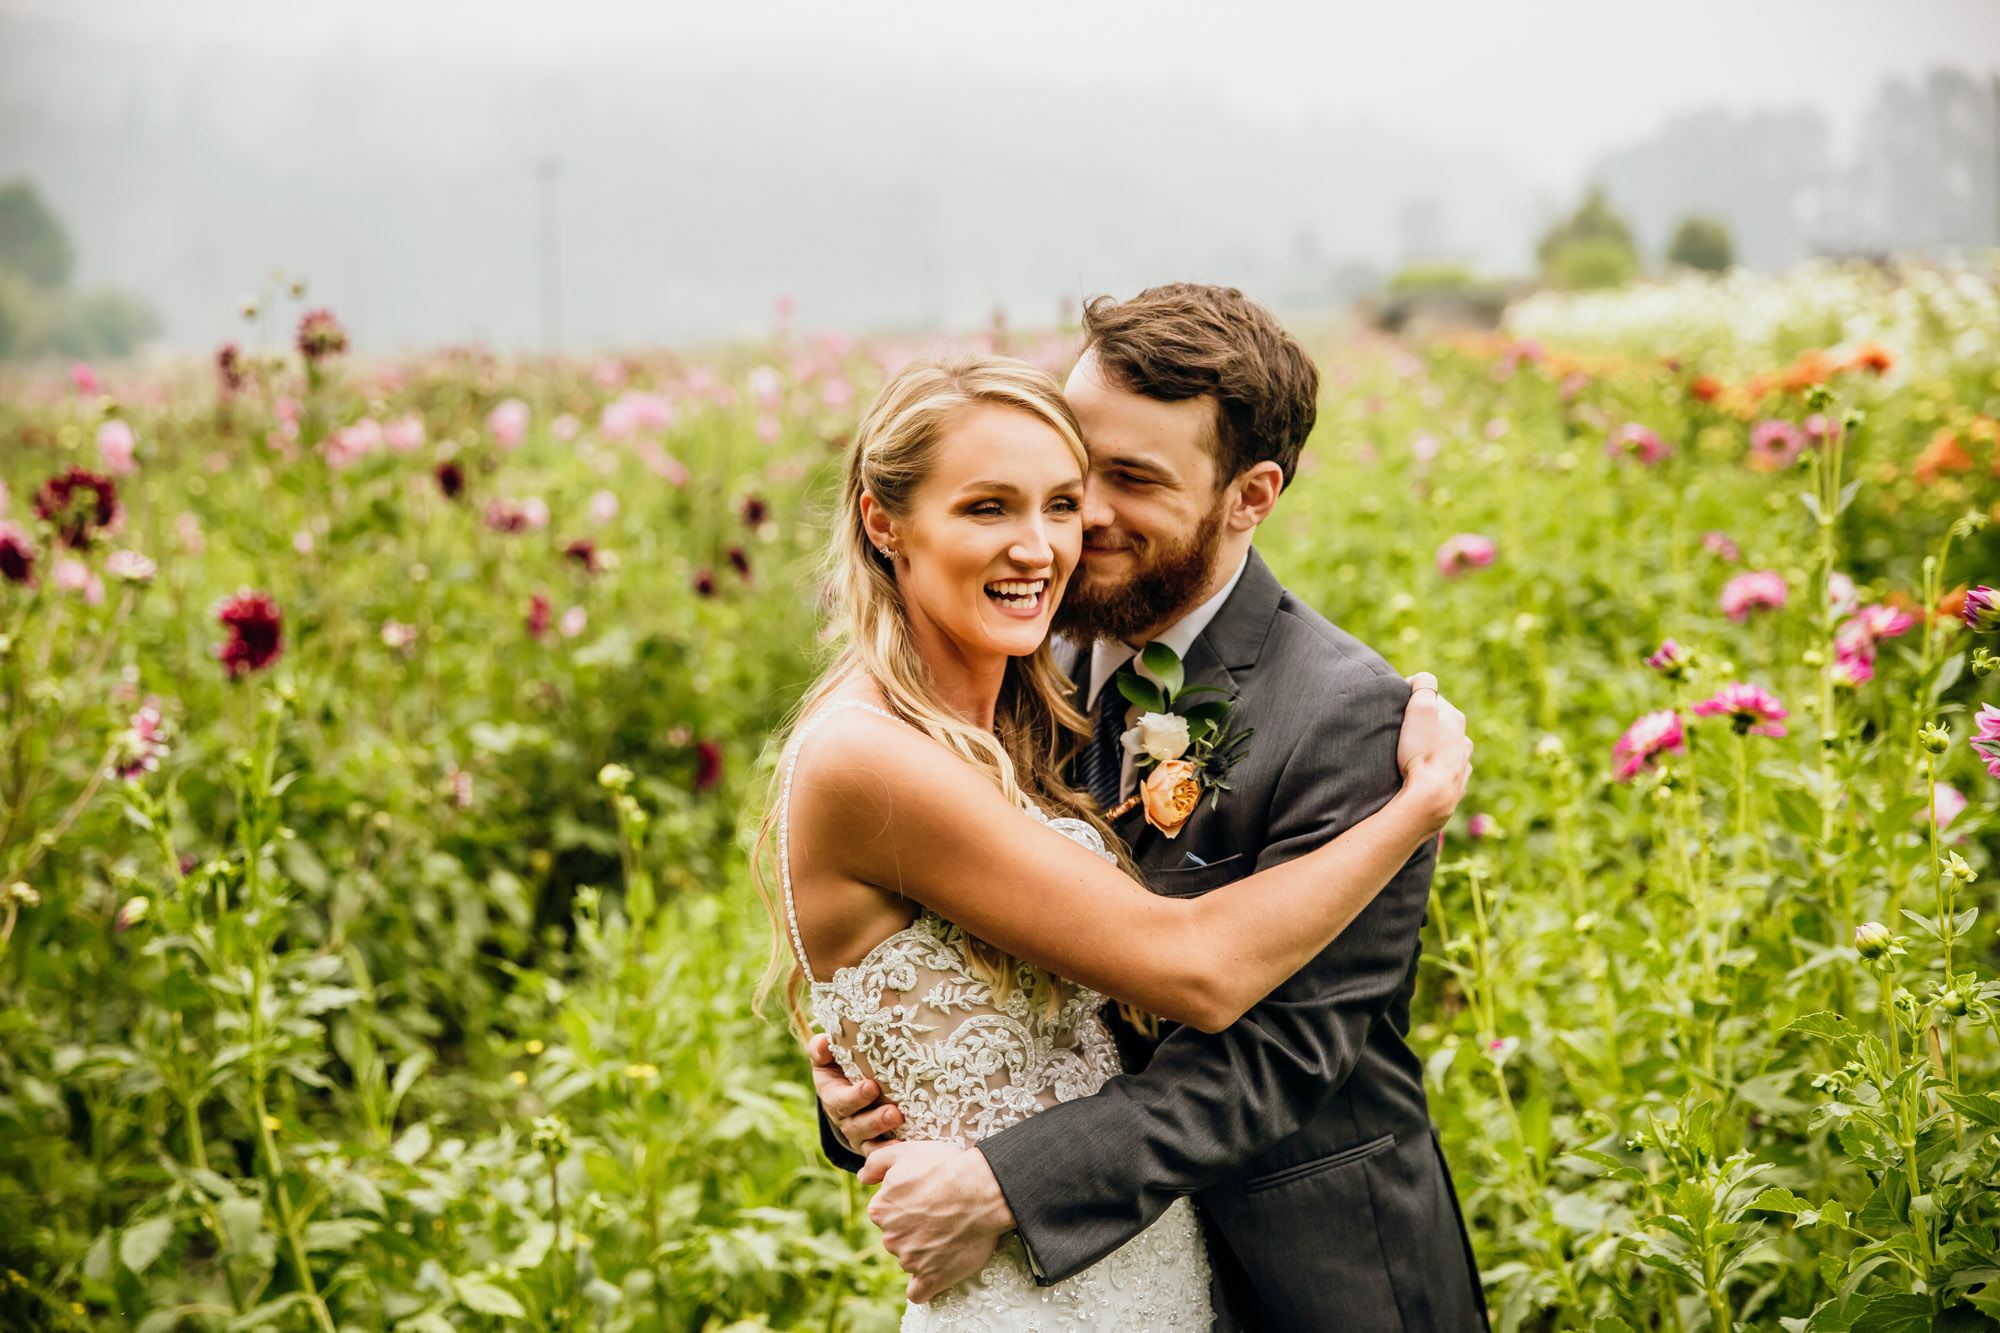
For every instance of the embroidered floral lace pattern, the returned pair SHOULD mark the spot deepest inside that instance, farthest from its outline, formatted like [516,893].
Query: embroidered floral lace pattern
[912,1016]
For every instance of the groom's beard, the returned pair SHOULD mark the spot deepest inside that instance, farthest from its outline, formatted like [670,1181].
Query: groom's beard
[1163,589]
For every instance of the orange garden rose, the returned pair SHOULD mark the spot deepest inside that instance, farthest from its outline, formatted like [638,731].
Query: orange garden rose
[1170,794]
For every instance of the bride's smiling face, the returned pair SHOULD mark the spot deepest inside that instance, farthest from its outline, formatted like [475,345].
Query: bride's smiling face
[992,533]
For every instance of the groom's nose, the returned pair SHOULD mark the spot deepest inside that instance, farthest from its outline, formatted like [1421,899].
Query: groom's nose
[1097,513]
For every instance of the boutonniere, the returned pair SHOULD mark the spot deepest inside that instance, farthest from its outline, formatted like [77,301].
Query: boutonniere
[1182,744]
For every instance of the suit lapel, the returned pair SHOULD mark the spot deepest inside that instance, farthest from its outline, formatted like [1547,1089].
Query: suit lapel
[1232,642]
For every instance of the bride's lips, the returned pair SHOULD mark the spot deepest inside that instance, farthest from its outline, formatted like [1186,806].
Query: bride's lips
[1021,598]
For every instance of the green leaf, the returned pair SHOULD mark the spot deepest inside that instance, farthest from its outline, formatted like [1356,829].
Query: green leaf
[266,1315]
[1140,692]
[1799,811]
[483,1297]
[1980,1107]
[337,1233]
[1780,1201]
[141,1244]
[97,1260]
[242,1219]
[1847,495]
[412,1144]
[430,1321]
[1610,1324]
[1811,502]
[1830,1026]
[1163,664]
[1896,1313]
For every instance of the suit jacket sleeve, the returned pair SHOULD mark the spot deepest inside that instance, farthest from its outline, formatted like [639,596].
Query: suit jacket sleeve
[836,1151]
[1084,1177]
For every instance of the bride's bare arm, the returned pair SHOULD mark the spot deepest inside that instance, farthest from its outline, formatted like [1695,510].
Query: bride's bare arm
[880,802]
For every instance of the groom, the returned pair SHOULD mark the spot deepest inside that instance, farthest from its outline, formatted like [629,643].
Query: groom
[1302,1130]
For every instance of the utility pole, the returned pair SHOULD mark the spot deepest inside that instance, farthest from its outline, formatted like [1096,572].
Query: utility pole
[546,177]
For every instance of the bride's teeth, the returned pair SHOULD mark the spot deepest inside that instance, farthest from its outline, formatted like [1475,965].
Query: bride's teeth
[1020,594]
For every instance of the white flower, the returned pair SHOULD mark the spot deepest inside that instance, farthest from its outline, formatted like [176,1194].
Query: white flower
[1159,736]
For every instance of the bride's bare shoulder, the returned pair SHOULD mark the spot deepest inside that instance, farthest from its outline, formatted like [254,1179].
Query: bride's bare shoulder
[857,764]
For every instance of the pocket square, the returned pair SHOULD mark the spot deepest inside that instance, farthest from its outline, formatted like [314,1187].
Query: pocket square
[1194,860]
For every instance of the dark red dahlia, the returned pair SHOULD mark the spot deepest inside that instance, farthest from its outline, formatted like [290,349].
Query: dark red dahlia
[584,551]
[538,615]
[320,336]
[704,582]
[82,505]
[229,368]
[255,628]
[707,765]
[739,560]
[17,554]
[451,480]
[755,511]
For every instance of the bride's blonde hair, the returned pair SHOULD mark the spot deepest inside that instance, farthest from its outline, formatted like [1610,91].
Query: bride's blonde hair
[1035,725]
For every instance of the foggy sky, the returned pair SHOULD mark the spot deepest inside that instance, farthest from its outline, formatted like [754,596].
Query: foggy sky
[888,164]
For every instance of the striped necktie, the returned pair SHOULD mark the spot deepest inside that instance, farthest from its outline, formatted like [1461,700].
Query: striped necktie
[1100,765]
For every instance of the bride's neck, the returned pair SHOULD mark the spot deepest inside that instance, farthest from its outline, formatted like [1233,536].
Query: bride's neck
[968,683]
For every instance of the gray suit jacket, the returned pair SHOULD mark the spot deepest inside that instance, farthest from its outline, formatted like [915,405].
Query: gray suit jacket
[1302,1130]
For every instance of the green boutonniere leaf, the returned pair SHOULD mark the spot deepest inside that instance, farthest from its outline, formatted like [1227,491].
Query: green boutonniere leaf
[1164,665]
[1140,691]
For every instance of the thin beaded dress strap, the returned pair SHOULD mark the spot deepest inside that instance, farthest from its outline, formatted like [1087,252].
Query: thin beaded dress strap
[785,817]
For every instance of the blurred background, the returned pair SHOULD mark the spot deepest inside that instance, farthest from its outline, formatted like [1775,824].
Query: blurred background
[615,172]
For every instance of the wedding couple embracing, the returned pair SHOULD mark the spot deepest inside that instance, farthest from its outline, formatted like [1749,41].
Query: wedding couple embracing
[1101,858]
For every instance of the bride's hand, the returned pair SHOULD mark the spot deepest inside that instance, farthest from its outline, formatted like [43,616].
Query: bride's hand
[1433,752]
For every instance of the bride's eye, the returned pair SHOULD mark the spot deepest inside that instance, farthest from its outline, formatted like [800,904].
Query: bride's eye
[1065,504]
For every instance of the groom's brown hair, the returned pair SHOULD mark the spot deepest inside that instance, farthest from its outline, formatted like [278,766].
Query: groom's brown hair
[1189,340]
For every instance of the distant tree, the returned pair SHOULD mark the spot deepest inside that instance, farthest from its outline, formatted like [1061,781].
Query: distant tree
[33,243]
[99,323]
[1702,243]
[1592,247]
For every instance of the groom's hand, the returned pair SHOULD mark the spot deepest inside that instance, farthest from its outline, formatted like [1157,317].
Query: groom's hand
[940,1210]
[859,1115]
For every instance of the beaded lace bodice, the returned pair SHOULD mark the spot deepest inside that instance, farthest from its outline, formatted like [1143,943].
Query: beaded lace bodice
[913,1016]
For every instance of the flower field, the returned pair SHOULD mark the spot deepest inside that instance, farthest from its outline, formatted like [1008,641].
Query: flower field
[380,740]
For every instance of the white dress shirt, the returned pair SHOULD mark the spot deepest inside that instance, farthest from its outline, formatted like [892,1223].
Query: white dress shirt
[1107,655]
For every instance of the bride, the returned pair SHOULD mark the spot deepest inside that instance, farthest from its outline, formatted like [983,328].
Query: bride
[955,914]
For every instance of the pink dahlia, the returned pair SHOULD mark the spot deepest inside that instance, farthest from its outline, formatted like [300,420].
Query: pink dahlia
[1986,737]
[405,434]
[1633,440]
[1652,735]
[115,445]
[1718,545]
[509,423]
[1982,609]
[1775,444]
[1481,826]
[83,377]
[1947,804]
[255,628]
[1841,595]
[1882,621]
[1762,589]
[603,507]
[140,747]
[1751,709]
[1466,551]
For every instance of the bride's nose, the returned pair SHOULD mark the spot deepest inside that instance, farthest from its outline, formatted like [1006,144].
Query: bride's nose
[1031,544]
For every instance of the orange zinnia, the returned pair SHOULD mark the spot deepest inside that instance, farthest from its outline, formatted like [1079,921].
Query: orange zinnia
[1943,454]
[1871,356]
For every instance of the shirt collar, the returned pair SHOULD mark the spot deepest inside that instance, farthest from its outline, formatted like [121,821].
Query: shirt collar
[1107,655]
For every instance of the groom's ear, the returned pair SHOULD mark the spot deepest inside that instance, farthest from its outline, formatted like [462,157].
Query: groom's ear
[1253,493]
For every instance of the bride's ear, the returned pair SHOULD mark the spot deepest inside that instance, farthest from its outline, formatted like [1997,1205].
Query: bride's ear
[876,524]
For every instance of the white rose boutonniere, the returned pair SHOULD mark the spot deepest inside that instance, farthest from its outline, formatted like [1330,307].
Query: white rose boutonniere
[1158,736]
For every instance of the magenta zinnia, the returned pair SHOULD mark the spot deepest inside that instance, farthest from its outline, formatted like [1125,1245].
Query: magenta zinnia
[1761,589]
[255,628]
[1982,609]
[140,747]
[1751,709]
[1652,735]
[1634,441]
[1986,737]
[1466,551]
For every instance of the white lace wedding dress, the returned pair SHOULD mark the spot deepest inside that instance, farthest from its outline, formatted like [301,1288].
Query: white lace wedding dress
[912,1016]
